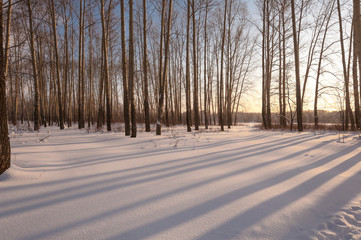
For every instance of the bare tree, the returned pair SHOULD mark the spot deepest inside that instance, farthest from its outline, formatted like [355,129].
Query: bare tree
[90,101]
[345,75]
[221,94]
[124,71]
[188,97]
[67,62]
[7,39]
[105,65]
[205,67]
[356,56]
[163,70]
[4,134]
[267,56]
[81,87]
[145,70]
[61,122]
[35,68]
[297,68]
[195,70]
[131,71]
[328,13]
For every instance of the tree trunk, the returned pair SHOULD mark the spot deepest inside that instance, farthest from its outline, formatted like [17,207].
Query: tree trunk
[4,133]
[90,103]
[163,82]
[66,67]
[72,86]
[145,70]
[105,70]
[16,98]
[205,69]
[315,110]
[280,67]
[195,70]
[357,55]
[297,69]
[346,79]
[269,49]
[80,70]
[124,71]
[7,39]
[229,70]
[83,68]
[131,72]
[160,87]
[221,73]
[188,77]
[284,123]
[100,96]
[61,122]
[264,88]
[35,69]
[355,85]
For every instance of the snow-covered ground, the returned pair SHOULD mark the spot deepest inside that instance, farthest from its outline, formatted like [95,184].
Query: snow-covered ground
[238,184]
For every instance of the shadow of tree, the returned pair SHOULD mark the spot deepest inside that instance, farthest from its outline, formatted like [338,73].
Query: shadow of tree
[241,222]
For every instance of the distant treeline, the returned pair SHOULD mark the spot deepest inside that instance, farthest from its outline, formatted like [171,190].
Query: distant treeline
[334,117]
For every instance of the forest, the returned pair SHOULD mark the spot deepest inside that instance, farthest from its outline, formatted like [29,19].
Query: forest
[162,62]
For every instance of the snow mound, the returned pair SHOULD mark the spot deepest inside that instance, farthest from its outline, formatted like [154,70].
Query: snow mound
[346,224]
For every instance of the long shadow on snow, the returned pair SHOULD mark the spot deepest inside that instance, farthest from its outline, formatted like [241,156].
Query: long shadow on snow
[132,143]
[156,153]
[198,210]
[214,162]
[114,138]
[96,159]
[270,206]
[250,217]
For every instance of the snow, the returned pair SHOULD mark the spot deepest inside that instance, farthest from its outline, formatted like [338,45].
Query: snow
[238,184]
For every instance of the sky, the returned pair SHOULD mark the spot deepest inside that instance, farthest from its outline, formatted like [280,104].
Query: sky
[331,77]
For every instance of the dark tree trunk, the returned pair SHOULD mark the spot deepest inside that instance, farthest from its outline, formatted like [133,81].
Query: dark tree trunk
[345,75]
[163,73]
[297,69]
[4,133]
[188,84]
[105,69]
[357,55]
[80,70]
[145,70]
[66,67]
[131,72]
[195,70]
[221,123]
[61,122]
[205,70]
[35,69]
[124,71]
